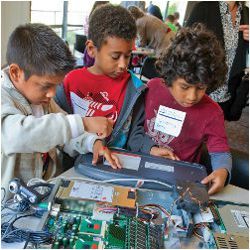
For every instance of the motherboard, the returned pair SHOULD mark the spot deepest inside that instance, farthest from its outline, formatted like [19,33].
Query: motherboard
[82,214]
[97,219]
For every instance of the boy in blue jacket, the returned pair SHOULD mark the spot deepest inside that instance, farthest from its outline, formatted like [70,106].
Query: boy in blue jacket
[108,88]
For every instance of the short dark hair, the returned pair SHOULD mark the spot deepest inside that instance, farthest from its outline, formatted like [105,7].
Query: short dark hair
[111,21]
[176,15]
[154,10]
[170,18]
[38,50]
[196,55]
[97,4]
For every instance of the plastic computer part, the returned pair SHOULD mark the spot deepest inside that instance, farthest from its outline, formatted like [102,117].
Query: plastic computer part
[190,196]
[151,169]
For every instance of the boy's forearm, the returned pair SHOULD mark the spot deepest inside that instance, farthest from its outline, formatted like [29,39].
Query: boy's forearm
[83,144]
[28,134]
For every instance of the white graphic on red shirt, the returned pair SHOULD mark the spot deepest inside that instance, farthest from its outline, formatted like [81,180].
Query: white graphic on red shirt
[105,95]
[160,138]
[96,104]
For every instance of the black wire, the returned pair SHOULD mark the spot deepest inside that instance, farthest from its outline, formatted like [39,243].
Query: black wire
[22,216]
[21,206]
[42,184]
[10,233]
[27,242]
[15,234]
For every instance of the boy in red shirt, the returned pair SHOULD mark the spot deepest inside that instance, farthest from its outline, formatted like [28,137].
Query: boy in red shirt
[179,115]
[107,88]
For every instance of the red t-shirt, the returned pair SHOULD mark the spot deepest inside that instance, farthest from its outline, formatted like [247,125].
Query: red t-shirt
[95,95]
[204,122]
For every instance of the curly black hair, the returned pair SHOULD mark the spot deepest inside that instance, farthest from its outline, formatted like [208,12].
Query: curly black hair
[38,50]
[195,55]
[111,21]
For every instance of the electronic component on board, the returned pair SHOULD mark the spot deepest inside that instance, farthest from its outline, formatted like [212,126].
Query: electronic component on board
[116,195]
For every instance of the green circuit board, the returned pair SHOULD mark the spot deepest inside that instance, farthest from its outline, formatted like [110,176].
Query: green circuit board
[77,229]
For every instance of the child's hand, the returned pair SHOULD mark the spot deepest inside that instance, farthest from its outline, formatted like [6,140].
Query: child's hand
[245,29]
[100,125]
[164,152]
[100,150]
[217,179]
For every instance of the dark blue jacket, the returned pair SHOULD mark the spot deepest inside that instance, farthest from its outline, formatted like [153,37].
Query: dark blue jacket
[128,132]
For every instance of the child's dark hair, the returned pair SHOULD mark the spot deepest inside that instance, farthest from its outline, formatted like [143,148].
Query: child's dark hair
[195,55]
[111,21]
[38,50]
[170,18]
[97,4]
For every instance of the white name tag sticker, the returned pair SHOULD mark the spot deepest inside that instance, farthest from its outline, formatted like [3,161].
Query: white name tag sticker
[169,121]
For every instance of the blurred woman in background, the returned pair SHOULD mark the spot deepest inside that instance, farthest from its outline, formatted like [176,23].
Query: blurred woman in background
[229,20]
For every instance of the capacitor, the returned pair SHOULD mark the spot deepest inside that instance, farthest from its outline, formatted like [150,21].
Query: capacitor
[64,227]
[59,239]
[71,243]
[56,245]
[65,242]
[73,234]
[74,228]
[78,219]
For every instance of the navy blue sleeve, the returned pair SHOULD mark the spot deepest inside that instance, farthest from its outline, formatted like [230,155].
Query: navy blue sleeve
[222,160]
[138,141]
[61,99]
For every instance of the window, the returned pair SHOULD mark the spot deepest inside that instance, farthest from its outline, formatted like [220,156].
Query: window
[177,6]
[52,14]
[77,13]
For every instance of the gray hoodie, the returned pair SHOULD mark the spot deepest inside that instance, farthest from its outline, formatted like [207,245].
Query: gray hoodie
[25,137]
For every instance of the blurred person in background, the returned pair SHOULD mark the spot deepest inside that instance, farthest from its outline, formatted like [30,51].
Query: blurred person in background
[176,20]
[87,59]
[151,32]
[229,20]
[170,22]
[154,10]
